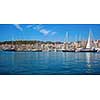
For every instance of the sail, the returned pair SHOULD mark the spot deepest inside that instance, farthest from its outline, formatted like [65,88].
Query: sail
[90,42]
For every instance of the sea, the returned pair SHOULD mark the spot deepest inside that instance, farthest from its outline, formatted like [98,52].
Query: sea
[49,63]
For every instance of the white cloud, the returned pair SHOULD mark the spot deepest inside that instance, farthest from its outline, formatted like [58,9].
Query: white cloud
[53,33]
[44,31]
[40,28]
[18,27]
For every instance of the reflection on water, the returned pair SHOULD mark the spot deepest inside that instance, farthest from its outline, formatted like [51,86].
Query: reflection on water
[88,60]
[49,63]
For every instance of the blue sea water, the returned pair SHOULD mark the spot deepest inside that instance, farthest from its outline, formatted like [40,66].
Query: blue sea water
[49,63]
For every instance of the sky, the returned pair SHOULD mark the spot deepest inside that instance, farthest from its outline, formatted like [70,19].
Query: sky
[48,32]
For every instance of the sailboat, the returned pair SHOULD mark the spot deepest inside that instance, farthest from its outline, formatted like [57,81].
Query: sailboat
[90,46]
[12,45]
[89,42]
[66,45]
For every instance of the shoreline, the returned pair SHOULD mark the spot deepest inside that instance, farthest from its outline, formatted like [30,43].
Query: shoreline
[51,51]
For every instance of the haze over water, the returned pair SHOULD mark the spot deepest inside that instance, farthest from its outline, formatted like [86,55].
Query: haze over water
[49,63]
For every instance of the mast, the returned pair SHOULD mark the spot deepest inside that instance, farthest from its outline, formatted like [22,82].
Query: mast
[67,37]
[76,37]
[66,40]
[12,41]
[79,37]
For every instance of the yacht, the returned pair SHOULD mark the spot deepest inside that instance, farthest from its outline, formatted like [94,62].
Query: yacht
[66,44]
[90,47]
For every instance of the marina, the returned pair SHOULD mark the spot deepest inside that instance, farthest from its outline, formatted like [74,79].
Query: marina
[36,50]
[88,45]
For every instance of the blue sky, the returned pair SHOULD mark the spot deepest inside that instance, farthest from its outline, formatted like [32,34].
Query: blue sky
[48,32]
